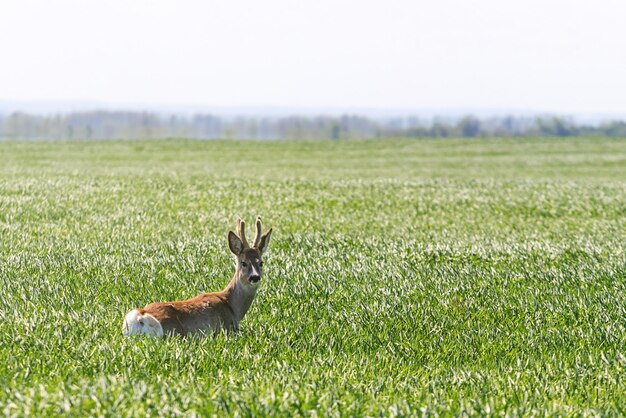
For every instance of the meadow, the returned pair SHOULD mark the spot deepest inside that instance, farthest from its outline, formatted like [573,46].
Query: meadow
[404,277]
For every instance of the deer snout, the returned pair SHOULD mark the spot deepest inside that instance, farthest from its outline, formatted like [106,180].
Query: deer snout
[255,278]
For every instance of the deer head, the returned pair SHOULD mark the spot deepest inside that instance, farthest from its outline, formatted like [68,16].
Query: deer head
[248,259]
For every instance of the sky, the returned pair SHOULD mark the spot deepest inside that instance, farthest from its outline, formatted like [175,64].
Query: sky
[564,56]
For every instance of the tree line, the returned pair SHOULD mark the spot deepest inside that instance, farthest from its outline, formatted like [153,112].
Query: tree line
[134,125]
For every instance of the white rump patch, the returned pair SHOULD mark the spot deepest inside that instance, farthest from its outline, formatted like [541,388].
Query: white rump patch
[138,324]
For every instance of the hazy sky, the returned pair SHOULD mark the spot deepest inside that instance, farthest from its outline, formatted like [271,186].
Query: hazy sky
[546,55]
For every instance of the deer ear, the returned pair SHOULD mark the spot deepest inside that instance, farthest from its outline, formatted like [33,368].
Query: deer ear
[234,243]
[264,242]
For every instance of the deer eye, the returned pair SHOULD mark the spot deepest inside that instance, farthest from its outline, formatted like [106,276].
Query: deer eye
[244,264]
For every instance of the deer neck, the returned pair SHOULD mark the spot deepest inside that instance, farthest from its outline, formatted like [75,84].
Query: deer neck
[239,296]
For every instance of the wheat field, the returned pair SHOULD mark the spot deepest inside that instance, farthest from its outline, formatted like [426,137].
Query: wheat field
[404,277]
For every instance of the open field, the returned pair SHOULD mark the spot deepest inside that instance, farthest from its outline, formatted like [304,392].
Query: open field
[404,277]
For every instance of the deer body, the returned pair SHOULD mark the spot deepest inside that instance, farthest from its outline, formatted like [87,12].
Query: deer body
[208,312]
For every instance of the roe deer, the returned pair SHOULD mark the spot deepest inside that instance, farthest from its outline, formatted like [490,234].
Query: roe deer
[208,312]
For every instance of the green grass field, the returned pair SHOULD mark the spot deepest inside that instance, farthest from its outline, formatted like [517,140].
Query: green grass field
[404,277]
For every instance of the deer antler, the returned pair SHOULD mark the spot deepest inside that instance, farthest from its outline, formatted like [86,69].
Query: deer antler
[257,237]
[241,230]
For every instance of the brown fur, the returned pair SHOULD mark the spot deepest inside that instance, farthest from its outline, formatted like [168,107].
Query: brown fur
[205,312]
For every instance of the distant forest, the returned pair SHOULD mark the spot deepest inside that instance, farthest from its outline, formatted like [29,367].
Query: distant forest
[132,125]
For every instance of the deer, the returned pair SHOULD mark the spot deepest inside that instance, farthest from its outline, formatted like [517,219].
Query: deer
[209,312]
